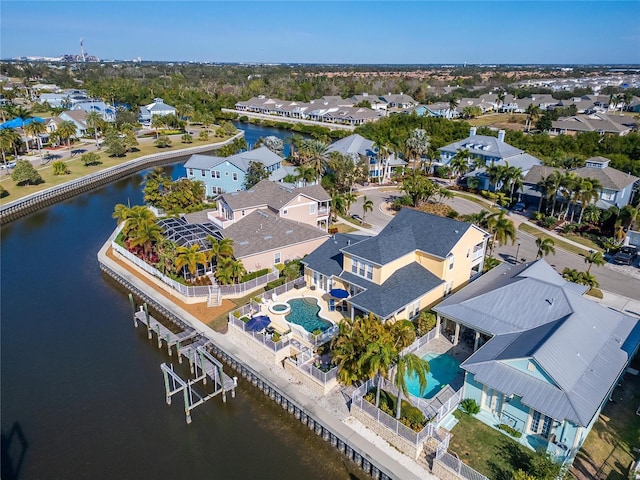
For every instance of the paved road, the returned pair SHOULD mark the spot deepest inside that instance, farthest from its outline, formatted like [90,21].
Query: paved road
[612,278]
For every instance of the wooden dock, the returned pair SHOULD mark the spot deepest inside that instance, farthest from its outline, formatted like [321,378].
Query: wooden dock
[188,343]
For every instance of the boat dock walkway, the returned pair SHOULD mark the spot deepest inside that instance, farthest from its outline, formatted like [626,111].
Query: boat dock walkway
[192,345]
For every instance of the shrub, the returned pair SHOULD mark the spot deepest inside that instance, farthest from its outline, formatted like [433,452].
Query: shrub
[60,168]
[453,214]
[186,138]
[252,275]
[276,283]
[163,142]
[317,332]
[245,319]
[548,222]
[203,136]
[470,406]
[510,430]
[90,159]
[426,322]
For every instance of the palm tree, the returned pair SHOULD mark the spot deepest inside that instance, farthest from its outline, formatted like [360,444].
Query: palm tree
[66,130]
[496,175]
[349,198]
[545,247]
[9,140]
[315,154]
[594,258]
[306,173]
[629,216]
[33,130]
[135,218]
[146,235]
[590,192]
[554,182]
[190,257]
[533,112]
[94,120]
[591,213]
[338,205]
[500,97]
[453,103]
[367,206]
[410,365]
[376,361]
[345,351]
[501,228]
[220,249]
[513,178]
[158,122]
[417,145]
[459,164]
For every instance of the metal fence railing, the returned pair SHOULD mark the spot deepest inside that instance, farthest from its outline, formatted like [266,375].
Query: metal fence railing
[456,465]
[416,438]
[420,342]
[189,291]
[260,337]
[250,285]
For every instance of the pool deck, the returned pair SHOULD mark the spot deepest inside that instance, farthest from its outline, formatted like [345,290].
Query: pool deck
[441,346]
[279,322]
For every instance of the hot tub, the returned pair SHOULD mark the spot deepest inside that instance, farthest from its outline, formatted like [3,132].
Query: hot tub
[280,308]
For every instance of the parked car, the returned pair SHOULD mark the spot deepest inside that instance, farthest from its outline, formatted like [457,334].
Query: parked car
[357,217]
[8,165]
[626,255]
[519,207]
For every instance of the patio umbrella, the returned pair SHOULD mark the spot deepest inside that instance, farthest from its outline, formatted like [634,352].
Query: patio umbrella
[338,293]
[258,323]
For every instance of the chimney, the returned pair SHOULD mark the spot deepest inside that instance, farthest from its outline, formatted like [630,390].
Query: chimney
[501,136]
[472,131]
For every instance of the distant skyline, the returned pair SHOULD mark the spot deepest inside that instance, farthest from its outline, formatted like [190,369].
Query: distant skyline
[392,32]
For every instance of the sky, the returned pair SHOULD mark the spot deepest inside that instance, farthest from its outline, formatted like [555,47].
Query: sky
[374,32]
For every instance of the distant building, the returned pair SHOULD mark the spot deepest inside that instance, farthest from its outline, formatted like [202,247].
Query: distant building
[107,112]
[595,122]
[78,118]
[401,100]
[157,108]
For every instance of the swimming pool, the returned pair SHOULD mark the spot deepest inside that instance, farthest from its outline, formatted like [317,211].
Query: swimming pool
[444,369]
[304,312]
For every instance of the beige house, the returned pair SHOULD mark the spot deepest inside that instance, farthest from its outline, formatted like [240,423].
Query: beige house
[308,205]
[412,263]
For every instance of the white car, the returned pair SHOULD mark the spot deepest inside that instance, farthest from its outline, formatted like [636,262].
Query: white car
[8,165]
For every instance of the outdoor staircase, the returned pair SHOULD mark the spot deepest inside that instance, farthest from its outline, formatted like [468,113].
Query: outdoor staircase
[215,296]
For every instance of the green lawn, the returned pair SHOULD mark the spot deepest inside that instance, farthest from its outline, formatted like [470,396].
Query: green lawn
[583,241]
[536,232]
[608,451]
[78,169]
[486,204]
[487,450]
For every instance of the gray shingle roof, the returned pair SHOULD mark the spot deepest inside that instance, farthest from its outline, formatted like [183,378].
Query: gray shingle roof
[609,178]
[274,195]
[262,231]
[411,230]
[327,258]
[353,145]
[535,314]
[402,288]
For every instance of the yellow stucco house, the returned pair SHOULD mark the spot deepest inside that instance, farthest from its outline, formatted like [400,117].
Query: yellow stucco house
[416,260]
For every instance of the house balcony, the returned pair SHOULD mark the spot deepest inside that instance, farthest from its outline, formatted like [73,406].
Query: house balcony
[323,212]
[218,221]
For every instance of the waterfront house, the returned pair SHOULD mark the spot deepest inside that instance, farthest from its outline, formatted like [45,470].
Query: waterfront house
[617,187]
[263,239]
[78,118]
[227,174]
[156,108]
[551,359]
[308,205]
[412,263]
[485,151]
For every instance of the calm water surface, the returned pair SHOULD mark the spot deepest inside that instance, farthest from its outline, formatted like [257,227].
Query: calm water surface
[82,391]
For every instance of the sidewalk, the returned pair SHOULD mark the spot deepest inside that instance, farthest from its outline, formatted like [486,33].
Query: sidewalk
[623,304]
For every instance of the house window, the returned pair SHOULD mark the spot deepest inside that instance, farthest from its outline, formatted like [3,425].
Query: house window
[203,173]
[312,209]
[414,309]
[276,258]
[235,176]
[243,213]
[285,211]
[354,266]
[540,424]
[468,252]
[451,262]
[191,172]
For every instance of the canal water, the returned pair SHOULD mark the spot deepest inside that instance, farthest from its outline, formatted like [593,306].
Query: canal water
[82,392]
